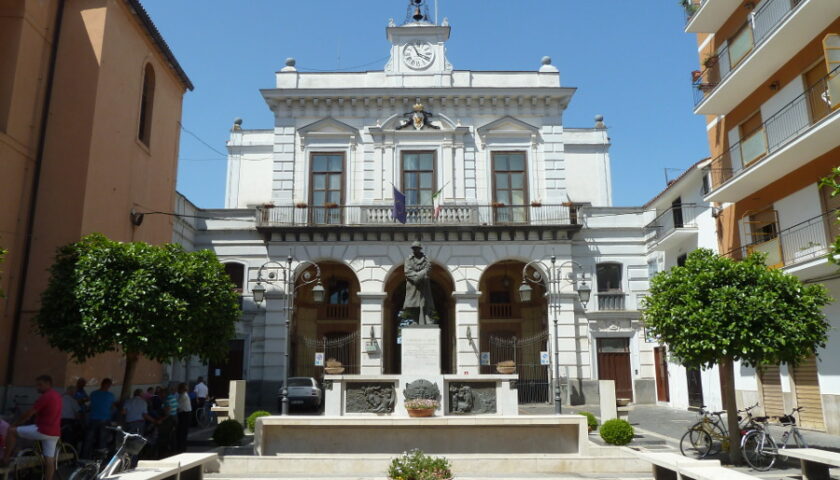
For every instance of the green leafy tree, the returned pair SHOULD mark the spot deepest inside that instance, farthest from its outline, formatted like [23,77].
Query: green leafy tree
[833,182]
[715,310]
[138,299]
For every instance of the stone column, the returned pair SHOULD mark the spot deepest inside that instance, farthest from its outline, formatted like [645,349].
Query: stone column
[466,328]
[274,343]
[371,341]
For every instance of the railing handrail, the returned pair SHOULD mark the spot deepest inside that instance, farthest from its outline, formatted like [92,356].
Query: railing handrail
[769,121]
[786,231]
[756,43]
[682,206]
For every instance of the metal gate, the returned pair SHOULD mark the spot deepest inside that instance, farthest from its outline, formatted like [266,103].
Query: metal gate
[341,347]
[534,378]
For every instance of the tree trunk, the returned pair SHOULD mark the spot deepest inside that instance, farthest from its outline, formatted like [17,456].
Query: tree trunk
[727,391]
[128,376]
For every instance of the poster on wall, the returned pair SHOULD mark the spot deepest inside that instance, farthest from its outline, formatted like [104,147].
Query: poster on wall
[485,358]
[319,359]
[544,358]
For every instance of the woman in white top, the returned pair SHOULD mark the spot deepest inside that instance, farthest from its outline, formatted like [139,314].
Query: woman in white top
[184,419]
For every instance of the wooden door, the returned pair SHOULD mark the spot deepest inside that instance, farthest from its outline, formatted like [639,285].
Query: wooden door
[770,385]
[806,387]
[695,387]
[660,358]
[614,364]
[220,374]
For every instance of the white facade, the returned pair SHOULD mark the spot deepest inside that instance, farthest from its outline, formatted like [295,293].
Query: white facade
[487,228]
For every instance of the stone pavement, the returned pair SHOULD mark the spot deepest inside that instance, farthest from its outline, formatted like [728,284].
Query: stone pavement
[653,422]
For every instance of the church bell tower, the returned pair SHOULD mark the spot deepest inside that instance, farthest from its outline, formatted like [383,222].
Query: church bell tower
[418,45]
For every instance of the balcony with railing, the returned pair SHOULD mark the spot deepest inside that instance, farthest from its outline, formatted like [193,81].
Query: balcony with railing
[774,33]
[673,225]
[499,311]
[338,311]
[611,301]
[447,215]
[806,241]
[707,16]
[799,132]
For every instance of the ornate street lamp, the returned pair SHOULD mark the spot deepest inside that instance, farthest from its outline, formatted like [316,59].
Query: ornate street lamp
[269,273]
[552,280]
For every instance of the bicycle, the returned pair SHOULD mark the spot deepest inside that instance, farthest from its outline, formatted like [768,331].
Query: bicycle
[130,446]
[28,469]
[205,416]
[761,451]
[710,435]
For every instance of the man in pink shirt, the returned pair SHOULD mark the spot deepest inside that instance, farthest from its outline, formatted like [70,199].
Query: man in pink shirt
[47,427]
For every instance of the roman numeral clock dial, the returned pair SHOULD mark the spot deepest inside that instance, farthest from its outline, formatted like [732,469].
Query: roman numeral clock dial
[418,54]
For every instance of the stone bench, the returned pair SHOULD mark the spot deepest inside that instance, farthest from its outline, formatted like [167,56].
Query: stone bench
[815,462]
[668,466]
[712,473]
[187,466]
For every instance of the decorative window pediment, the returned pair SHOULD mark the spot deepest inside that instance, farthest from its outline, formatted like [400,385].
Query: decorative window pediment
[328,128]
[508,127]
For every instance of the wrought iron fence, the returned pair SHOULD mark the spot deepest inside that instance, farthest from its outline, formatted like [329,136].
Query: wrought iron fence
[292,215]
[790,122]
[762,22]
[675,217]
[610,301]
[534,380]
[341,348]
[805,241]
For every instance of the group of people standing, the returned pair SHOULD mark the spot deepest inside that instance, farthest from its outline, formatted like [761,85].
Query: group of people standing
[161,414]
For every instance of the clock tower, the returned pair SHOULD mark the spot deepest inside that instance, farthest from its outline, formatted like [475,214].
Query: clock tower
[418,46]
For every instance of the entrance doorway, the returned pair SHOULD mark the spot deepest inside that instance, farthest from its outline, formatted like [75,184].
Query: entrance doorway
[442,288]
[219,374]
[695,387]
[614,364]
[660,358]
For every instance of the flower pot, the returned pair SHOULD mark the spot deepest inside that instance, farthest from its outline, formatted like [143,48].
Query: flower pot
[506,370]
[420,412]
[333,370]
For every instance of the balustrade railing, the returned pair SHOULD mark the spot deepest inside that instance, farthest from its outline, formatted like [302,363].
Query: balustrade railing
[610,301]
[807,240]
[495,311]
[291,215]
[760,24]
[345,311]
[790,122]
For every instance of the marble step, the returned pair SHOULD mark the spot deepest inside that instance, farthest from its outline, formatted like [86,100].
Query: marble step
[536,476]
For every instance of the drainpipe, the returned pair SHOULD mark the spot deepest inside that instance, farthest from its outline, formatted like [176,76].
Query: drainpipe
[33,200]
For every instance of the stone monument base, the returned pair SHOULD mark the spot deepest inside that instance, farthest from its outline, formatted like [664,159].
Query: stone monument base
[561,434]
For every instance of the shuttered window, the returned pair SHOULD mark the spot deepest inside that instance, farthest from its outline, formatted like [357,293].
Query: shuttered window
[772,398]
[806,387]
[831,45]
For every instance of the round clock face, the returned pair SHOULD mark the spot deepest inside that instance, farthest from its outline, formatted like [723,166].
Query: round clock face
[418,54]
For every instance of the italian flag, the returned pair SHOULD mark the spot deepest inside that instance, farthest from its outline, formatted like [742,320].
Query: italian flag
[436,201]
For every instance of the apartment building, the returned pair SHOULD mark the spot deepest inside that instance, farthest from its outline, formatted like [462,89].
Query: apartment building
[769,86]
[90,104]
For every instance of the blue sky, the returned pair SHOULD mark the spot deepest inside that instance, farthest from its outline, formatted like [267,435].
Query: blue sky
[630,61]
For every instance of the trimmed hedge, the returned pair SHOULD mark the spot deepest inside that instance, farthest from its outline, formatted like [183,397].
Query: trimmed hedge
[252,418]
[228,433]
[590,420]
[617,432]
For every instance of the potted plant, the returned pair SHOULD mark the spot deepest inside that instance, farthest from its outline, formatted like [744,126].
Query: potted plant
[710,60]
[301,205]
[333,367]
[705,87]
[506,367]
[421,407]
[415,465]
[268,205]
[689,6]
[536,203]
[497,204]
[330,205]
[696,75]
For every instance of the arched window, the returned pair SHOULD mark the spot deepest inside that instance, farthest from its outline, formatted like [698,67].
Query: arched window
[236,272]
[147,102]
[609,277]
[338,292]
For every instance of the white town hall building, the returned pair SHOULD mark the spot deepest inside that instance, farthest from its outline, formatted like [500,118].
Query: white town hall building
[492,179]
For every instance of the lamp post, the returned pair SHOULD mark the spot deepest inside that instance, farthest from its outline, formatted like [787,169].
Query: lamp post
[272,272]
[552,279]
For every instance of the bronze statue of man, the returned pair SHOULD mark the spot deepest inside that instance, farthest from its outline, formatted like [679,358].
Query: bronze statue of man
[418,288]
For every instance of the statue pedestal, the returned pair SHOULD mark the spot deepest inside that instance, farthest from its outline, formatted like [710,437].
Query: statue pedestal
[421,351]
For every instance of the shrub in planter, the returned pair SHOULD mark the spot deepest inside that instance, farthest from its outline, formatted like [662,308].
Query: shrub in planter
[228,433]
[591,421]
[252,418]
[415,465]
[617,432]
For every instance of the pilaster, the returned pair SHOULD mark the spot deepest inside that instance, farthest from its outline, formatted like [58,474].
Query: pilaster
[371,333]
[466,326]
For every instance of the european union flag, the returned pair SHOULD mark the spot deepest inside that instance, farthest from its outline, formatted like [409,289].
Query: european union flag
[398,212]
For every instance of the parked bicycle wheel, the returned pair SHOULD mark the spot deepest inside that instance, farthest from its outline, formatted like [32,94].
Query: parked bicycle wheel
[86,472]
[695,443]
[720,440]
[29,465]
[202,418]
[759,450]
[67,459]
